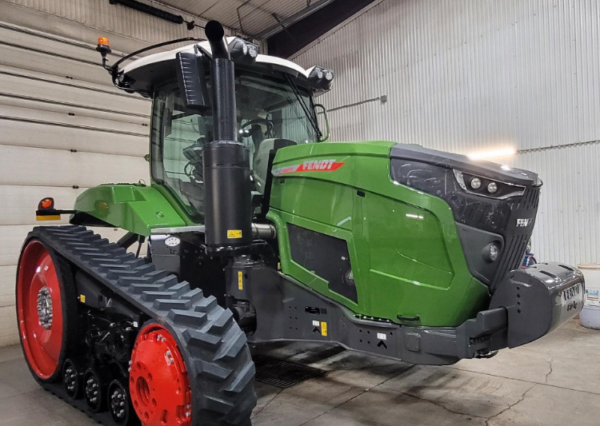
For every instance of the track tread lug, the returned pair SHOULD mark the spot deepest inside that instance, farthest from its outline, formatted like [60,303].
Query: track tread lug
[168,281]
[129,280]
[134,263]
[232,348]
[166,304]
[221,322]
[206,304]
[157,274]
[151,296]
[184,317]
[201,340]
[140,288]
[219,405]
[209,369]
[193,295]
[241,379]
[180,288]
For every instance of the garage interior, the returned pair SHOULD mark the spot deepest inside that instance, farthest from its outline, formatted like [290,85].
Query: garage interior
[515,82]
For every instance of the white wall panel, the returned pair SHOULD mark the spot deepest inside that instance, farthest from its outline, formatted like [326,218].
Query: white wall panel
[63,117]
[49,167]
[475,75]
[31,42]
[34,61]
[30,76]
[68,111]
[567,227]
[7,292]
[45,134]
[52,95]
[8,326]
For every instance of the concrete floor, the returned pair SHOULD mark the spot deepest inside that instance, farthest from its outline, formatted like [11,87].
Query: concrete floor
[555,381]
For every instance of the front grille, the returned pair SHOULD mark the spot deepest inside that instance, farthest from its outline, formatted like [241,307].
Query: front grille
[516,238]
[531,198]
[492,216]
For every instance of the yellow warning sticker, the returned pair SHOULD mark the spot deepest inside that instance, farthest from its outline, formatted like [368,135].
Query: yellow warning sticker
[279,266]
[240,280]
[82,298]
[234,233]
[323,328]
[52,217]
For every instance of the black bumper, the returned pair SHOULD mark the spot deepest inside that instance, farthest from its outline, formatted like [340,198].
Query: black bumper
[528,304]
[539,299]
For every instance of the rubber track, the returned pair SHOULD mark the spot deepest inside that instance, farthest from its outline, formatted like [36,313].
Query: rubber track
[218,360]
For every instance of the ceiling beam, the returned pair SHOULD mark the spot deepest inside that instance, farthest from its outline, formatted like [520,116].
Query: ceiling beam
[311,7]
[303,32]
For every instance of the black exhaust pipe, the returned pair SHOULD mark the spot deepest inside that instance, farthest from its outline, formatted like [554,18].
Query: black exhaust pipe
[228,202]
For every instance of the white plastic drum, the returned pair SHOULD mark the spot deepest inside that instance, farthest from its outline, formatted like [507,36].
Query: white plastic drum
[590,315]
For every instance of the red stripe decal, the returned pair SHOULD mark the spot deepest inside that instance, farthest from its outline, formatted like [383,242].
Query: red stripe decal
[309,166]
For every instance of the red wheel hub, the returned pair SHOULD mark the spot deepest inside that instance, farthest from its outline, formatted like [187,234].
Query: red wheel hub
[39,310]
[158,381]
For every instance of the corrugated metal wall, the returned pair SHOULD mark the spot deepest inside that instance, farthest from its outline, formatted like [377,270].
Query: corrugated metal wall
[91,18]
[63,126]
[473,75]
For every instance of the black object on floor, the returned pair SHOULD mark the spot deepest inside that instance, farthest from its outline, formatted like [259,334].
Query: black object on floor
[282,374]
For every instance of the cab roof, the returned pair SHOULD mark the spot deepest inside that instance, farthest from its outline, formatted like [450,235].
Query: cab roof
[145,73]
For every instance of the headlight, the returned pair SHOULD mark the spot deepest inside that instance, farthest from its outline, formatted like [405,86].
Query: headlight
[491,252]
[486,187]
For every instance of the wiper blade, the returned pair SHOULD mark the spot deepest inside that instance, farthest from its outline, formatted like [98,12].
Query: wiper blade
[312,118]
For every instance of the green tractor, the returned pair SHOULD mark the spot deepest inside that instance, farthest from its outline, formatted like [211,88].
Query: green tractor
[259,230]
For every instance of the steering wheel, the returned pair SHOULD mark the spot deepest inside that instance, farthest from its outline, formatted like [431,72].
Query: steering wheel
[264,121]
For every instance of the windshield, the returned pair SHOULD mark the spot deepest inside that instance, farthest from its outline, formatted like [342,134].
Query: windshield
[267,110]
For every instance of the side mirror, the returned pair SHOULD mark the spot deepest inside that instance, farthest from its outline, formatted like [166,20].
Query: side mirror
[192,84]
[323,111]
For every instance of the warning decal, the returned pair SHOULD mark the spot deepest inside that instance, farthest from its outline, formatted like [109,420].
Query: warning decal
[240,280]
[234,233]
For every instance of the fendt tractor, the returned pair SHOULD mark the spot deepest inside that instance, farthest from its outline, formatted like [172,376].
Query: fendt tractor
[258,230]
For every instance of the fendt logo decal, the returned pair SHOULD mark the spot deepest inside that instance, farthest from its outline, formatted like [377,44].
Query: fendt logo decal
[522,223]
[309,166]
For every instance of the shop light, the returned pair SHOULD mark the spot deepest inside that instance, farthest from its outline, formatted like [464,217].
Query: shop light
[492,154]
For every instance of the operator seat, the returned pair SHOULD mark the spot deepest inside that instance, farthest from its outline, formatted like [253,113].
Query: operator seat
[262,160]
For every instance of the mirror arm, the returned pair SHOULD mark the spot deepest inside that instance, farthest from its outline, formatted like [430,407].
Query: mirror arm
[324,137]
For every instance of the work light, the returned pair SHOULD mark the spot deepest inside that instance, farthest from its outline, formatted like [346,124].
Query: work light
[243,51]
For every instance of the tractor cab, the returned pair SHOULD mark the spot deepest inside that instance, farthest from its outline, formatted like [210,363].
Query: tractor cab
[275,109]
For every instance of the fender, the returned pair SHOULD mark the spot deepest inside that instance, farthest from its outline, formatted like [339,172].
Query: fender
[136,208]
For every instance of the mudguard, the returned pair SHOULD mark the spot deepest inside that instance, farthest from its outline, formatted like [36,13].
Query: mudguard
[135,208]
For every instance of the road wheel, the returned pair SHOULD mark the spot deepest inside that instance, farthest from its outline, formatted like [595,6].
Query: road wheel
[158,382]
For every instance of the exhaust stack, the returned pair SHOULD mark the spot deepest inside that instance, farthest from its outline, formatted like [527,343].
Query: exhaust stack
[228,203]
